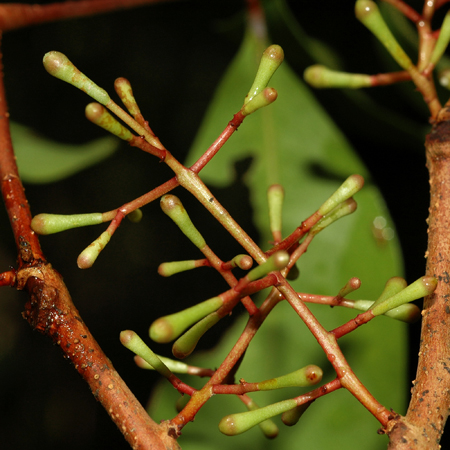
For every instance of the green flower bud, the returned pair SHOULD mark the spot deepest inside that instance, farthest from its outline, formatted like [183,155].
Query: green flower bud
[348,188]
[420,288]
[264,98]
[291,417]
[172,365]
[368,13]
[172,206]
[98,115]
[294,273]
[54,223]
[306,376]
[320,77]
[408,312]
[268,427]
[125,93]
[61,67]
[343,209]
[135,216]
[444,78]
[186,344]
[168,269]
[244,262]
[235,424]
[133,342]
[275,199]
[87,257]
[352,285]
[270,61]
[442,41]
[168,328]
[278,261]
[393,286]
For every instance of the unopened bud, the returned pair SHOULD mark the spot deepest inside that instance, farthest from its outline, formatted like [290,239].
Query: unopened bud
[420,288]
[186,344]
[98,115]
[368,13]
[133,342]
[278,261]
[58,65]
[320,77]
[172,206]
[348,188]
[235,424]
[168,328]
[270,61]
[54,223]
[306,376]
[264,98]
[88,256]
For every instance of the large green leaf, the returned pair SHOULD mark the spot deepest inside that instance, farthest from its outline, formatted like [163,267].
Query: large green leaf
[42,160]
[294,142]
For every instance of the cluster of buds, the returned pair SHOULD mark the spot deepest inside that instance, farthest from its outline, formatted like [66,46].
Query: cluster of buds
[263,269]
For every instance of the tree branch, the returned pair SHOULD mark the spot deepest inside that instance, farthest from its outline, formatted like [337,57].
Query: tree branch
[17,15]
[424,423]
[50,310]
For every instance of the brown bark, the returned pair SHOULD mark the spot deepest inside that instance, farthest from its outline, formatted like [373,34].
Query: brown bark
[423,425]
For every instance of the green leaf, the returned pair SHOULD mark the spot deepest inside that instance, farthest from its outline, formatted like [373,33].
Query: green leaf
[294,142]
[42,160]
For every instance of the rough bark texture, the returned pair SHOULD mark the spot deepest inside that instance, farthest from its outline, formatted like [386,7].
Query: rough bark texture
[423,425]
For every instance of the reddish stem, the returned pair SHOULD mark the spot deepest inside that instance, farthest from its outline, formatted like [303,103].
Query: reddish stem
[218,143]
[406,10]
[18,15]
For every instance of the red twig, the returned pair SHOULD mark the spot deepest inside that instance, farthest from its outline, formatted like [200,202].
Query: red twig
[16,15]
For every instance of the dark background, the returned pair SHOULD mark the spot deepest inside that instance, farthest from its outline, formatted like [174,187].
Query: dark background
[174,54]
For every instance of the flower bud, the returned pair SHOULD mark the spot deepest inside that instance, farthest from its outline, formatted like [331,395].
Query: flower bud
[442,41]
[343,209]
[268,427]
[368,13]
[270,61]
[133,342]
[172,206]
[420,288]
[264,98]
[306,376]
[186,344]
[320,77]
[54,223]
[348,188]
[168,328]
[58,65]
[235,424]
[291,417]
[98,115]
[278,261]
[275,199]
[125,93]
[135,216]
[87,257]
